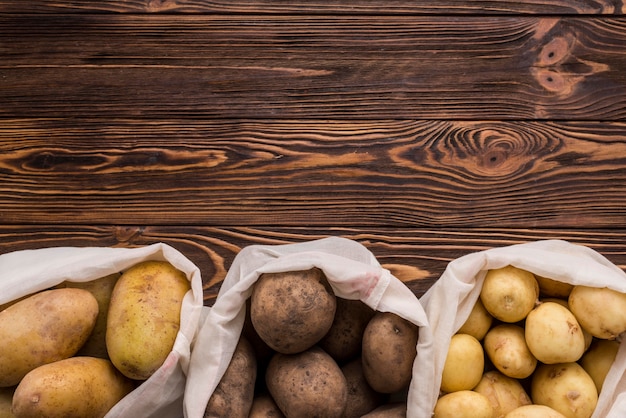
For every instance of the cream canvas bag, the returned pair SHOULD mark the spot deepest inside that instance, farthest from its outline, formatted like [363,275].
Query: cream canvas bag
[449,301]
[353,273]
[28,271]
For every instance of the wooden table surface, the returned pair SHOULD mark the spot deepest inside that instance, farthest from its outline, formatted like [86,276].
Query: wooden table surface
[424,130]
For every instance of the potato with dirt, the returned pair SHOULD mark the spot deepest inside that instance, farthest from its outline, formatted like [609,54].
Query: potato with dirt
[307,385]
[233,396]
[292,311]
[388,352]
[77,387]
[46,327]
[362,399]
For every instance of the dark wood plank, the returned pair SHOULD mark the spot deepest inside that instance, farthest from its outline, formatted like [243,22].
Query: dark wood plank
[294,173]
[353,7]
[423,67]
[418,257]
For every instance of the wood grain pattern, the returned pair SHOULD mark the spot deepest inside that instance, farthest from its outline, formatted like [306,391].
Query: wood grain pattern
[291,173]
[418,257]
[560,7]
[313,67]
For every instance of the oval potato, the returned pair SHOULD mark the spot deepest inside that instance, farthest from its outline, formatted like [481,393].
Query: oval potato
[509,293]
[534,411]
[478,322]
[506,347]
[463,404]
[504,393]
[464,365]
[77,387]
[598,360]
[43,328]
[600,311]
[362,399]
[388,352]
[144,317]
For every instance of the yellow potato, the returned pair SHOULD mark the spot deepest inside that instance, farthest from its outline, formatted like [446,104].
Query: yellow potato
[563,302]
[6,399]
[553,334]
[504,393]
[77,387]
[101,289]
[534,411]
[553,288]
[597,361]
[509,293]
[566,388]
[506,347]
[46,327]
[464,364]
[600,311]
[144,317]
[463,404]
[478,322]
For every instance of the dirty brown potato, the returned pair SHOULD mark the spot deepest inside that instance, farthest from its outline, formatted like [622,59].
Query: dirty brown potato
[389,349]
[362,399]
[307,384]
[292,311]
[343,340]
[46,327]
[264,406]
[85,387]
[234,394]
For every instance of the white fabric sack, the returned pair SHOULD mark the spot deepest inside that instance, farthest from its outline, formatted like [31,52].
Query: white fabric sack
[353,273]
[449,301]
[28,271]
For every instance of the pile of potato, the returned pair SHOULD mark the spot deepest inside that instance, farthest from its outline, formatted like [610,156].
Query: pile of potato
[532,347]
[77,349]
[305,352]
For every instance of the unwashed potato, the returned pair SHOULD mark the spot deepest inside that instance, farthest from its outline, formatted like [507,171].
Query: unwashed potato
[597,361]
[463,404]
[600,311]
[46,327]
[504,393]
[264,406]
[566,388]
[388,352]
[6,399]
[506,347]
[464,365]
[534,411]
[509,293]
[307,384]
[233,396]
[478,322]
[77,387]
[393,410]
[362,399]
[553,334]
[101,289]
[292,311]
[144,317]
[343,340]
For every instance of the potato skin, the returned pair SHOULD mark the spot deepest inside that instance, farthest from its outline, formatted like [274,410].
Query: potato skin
[43,328]
[307,384]
[388,352]
[144,317]
[234,394]
[264,406]
[463,404]
[77,387]
[292,311]
[362,399]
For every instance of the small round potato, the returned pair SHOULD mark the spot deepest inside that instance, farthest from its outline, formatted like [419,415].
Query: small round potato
[292,311]
[478,322]
[388,352]
[566,388]
[600,311]
[553,334]
[598,360]
[307,384]
[504,393]
[464,365]
[463,404]
[509,293]
[506,347]
[234,394]
[534,411]
[362,399]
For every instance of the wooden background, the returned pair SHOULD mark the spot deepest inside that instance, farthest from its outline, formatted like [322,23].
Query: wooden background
[423,129]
